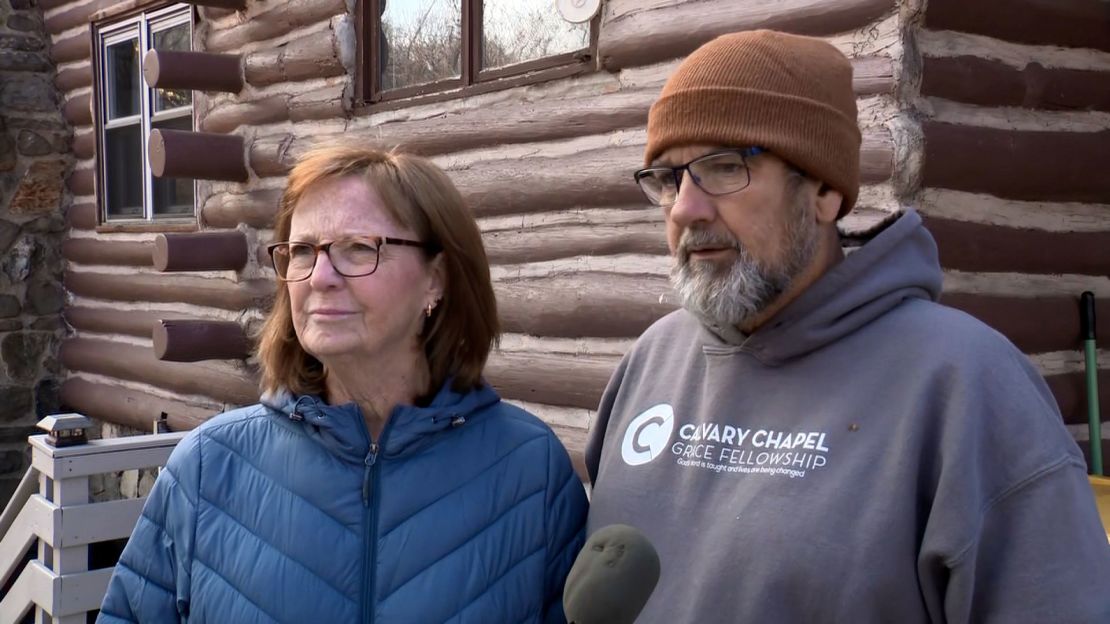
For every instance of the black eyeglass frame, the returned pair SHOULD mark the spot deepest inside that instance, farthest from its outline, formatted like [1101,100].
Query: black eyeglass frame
[744,152]
[380,242]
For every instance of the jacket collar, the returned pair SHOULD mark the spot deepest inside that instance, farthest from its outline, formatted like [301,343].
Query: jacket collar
[342,430]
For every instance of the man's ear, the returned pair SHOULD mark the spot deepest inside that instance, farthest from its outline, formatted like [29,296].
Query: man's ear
[828,203]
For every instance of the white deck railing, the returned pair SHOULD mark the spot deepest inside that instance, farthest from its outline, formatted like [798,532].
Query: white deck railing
[63,520]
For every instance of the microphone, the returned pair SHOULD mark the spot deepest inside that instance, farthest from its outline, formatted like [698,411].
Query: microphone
[612,578]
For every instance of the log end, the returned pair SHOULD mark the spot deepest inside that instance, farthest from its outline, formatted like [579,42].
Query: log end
[156,147]
[160,256]
[151,69]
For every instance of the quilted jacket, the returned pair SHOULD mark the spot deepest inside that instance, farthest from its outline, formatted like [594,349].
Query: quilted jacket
[464,511]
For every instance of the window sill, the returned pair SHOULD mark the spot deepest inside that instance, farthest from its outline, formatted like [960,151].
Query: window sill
[175,225]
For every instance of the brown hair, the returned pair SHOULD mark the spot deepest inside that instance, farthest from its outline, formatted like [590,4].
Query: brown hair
[418,195]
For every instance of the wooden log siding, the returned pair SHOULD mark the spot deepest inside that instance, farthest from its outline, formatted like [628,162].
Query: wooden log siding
[78,110]
[1066,23]
[583,305]
[986,82]
[155,288]
[1070,390]
[227,117]
[181,340]
[84,144]
[74,78]
[199,71]
[200,251]
[234,5]
[254,208]
[550,243]
[76,15]
[281,19]
[1045,166]
[574,381]
[82,182]
[73,48]
[221,381]
[197,155]
[136,323]
[131,408]
[637,33]
[110,252]
[81,216]
[312,56]
[967,246]
[1034,325]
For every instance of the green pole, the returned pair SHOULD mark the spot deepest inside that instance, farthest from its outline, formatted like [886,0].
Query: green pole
[1094,420]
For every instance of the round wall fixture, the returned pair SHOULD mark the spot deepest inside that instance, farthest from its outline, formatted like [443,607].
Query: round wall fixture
[578,11]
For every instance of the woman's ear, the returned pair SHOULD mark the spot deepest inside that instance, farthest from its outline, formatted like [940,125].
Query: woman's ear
[437,267]
[828,203]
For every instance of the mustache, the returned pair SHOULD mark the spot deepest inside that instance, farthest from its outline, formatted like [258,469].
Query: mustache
[695,239]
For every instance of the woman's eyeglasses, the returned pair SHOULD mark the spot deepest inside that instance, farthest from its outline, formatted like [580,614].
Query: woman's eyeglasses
[294,261]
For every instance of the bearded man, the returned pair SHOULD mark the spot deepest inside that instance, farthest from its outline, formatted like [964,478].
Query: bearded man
[812,438]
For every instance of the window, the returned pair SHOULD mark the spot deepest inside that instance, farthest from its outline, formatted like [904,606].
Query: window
[415,47]
[128,110]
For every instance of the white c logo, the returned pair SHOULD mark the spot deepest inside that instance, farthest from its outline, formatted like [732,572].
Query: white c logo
[647,435]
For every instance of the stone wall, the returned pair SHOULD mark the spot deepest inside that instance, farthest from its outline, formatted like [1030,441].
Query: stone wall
[34,143]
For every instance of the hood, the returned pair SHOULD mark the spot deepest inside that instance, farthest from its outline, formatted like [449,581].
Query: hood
[899,262]
[342,430]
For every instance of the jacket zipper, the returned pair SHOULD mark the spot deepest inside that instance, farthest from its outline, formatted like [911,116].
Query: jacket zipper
[371,482]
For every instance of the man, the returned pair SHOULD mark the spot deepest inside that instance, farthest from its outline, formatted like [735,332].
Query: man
[812,438]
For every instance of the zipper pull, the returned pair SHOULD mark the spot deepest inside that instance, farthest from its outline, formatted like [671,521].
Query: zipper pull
[369,462]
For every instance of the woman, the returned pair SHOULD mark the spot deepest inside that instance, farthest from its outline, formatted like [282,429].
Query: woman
[380,479]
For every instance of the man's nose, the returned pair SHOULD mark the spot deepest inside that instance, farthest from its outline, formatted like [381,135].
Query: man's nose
[692,205]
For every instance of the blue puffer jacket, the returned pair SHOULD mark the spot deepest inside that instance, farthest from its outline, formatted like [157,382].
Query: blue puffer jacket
[467,510]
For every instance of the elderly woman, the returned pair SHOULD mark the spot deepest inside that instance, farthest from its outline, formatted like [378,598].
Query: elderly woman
[380,479]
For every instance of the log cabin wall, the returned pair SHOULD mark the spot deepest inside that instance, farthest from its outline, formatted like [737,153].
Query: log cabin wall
[579,259]
[1015,114]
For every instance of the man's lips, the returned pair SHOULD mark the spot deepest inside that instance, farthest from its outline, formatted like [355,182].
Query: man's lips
[709,253]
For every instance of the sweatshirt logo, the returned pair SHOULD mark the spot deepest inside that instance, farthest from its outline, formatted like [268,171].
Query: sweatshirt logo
[647,435]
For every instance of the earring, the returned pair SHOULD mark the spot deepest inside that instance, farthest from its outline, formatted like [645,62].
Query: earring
[428,310]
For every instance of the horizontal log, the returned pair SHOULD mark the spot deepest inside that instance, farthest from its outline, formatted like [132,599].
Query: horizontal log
[74,78]
[1065,23]
[967,246]
[47,5]
[200,251]
[1070,390]
[312,56]
[209,292]
[1034,325]
[81,216]
[111,252]
[233,5]
[586,304]
[550,243]
[328,102]
[84,144]
[77,15]
[255,208]
[872,75]
[226,117]
[987,82]
[638,33]
[82,182]
[179,340]
[197,71]
[575,381]
[73,48]
[112,321]
[282,18]
[78,110]
[130,408]
[220,381]
[197,155]
[1044,166]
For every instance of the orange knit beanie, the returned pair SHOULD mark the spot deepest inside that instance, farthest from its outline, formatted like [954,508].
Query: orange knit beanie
[786,93]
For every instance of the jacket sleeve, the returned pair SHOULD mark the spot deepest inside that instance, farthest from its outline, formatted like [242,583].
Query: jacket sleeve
[151,581]
[566,527]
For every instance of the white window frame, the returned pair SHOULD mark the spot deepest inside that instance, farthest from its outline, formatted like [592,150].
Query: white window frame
[142,26]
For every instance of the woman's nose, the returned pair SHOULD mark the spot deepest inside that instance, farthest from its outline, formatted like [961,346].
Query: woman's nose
[324,274]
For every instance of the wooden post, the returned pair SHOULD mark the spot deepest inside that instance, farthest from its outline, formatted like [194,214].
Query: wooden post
[200,71]
[197,155]
[196,341]
[201,251]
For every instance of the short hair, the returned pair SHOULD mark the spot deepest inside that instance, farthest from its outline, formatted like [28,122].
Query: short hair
[463,328]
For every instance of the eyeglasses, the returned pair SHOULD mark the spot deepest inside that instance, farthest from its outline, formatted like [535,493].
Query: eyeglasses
[294,261]
[719,173]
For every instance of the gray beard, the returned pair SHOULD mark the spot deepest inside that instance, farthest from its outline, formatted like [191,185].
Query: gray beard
[733,295]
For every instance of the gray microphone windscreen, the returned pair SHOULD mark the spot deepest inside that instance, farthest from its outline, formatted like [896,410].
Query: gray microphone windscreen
[612,578]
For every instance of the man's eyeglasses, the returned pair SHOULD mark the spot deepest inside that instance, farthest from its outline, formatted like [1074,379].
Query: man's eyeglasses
[719,173]
[294,261]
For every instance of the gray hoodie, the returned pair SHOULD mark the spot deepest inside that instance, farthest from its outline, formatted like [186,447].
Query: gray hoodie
[867,456]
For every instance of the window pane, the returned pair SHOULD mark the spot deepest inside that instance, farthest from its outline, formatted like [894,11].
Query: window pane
[176,38]
[421,42]
[122,65]
[123,151]
[514,31]
[172,197]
